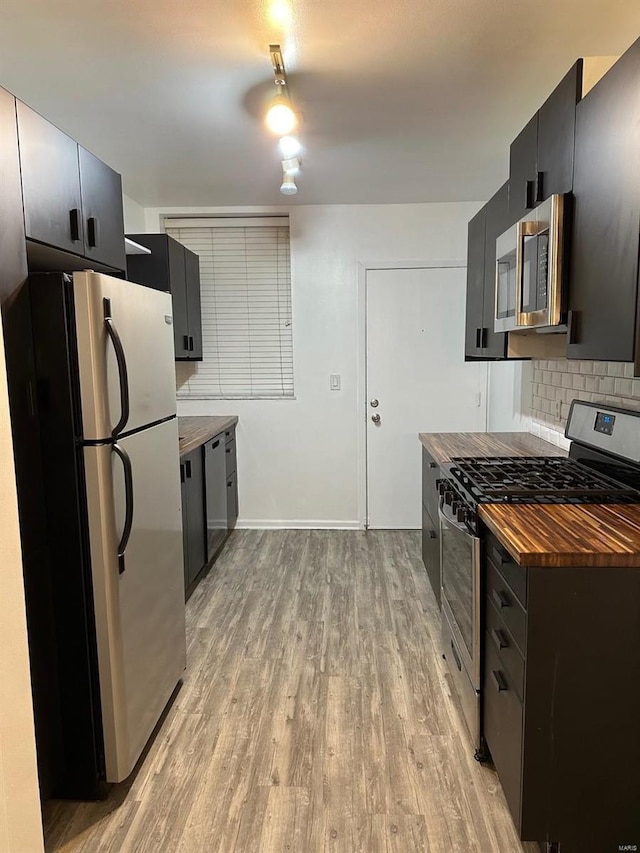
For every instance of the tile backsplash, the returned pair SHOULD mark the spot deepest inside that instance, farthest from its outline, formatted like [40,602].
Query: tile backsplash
[556,383]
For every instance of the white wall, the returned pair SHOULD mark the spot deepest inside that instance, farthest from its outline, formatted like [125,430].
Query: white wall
[134,216]
[299,460]
[20,820]
[509,396]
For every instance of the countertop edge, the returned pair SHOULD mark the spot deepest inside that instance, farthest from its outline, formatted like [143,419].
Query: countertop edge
[485,444]
[216,424]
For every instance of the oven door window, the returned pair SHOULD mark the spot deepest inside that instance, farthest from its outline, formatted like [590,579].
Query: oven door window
[457,578]
[506,285]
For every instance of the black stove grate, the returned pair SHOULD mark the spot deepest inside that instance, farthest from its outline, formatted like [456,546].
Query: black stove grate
[533,479]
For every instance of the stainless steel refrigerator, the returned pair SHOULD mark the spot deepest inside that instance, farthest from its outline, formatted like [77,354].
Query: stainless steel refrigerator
[109,439]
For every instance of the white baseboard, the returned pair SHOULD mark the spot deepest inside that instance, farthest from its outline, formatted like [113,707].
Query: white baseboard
[296,524]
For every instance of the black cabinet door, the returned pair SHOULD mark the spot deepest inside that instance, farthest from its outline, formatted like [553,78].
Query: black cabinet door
[178,286]
[101,190]
[151,270]
[13,269]
[556,134]
[194,311]
[216,493]
[50,183]
[431,553]
[475,285]
[195,522]
[523,171]
[494,344]
[604,256]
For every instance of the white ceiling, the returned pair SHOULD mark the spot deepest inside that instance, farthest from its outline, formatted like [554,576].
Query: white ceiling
[403,100]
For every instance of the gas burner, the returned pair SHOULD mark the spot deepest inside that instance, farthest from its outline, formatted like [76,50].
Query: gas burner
[536,480]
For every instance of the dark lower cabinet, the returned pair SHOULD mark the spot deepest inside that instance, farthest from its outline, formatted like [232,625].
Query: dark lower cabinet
[561,701]
[603,285]
[216,493]
[193,514]
[430,525]
[172,267]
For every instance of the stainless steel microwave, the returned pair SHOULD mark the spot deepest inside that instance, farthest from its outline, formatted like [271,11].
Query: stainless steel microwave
[530,269]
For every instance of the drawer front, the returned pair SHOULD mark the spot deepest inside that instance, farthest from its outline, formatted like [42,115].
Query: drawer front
[230,457]
[430,473]
[230,434]
[511,659]
[503,724]
[515,575]
[431,553]
[504,600]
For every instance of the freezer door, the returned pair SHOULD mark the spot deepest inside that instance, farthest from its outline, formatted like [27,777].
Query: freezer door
[139,330]
[139,600]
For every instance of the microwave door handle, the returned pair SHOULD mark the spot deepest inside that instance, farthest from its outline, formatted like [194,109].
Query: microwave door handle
[123,376]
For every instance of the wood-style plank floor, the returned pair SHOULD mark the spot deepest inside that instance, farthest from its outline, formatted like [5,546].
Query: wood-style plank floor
[315,717]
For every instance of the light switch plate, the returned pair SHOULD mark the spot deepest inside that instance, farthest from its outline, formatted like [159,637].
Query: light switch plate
[334,382]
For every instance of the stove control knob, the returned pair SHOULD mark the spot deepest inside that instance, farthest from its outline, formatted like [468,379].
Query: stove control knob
[462,514]
[448,497]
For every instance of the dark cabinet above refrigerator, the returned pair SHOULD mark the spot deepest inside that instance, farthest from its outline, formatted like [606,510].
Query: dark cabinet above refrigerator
[174,268]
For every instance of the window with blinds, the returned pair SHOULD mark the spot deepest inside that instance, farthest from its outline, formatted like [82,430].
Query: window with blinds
[245,281]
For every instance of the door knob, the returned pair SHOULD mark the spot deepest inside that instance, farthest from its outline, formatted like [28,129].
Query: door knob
[375,419]
[374,403]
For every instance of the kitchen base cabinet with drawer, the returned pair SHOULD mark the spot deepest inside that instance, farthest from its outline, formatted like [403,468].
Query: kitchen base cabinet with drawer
[430,525]
[561,702]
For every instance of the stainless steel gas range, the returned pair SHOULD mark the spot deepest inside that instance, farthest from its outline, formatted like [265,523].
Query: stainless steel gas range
[603,467]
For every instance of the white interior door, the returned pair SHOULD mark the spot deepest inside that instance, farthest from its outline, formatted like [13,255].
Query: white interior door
[417,373]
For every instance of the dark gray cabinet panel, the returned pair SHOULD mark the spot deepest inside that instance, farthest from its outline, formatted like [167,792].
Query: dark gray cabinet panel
[193,513]
[522,170]
[101,191]
[494,344]
[232,501]
[604,256]
[475,284]
[173,268]
[50,183]
[216,494]
[430,523]
[13,265]
[556,135]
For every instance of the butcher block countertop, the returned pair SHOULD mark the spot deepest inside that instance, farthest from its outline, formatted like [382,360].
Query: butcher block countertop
[443,446]
[195,431]
[566,534]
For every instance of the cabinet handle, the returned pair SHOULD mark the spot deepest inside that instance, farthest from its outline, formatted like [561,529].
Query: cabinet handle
[572,326]
[432,465]
[92,231]
[500,639]
[500,681]
[529,195]
[188,468]
[478,338]
[499,557]
[74,224]
[190,344]
[539,186]
[229,484]
[181,473]
[228,450]
[483,337]
[432,534]
[501,598]
[215,444]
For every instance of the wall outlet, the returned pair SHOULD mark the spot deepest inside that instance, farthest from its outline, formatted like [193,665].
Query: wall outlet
[555,409]
[334,382]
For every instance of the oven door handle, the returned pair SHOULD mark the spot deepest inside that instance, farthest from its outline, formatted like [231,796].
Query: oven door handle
[459,526]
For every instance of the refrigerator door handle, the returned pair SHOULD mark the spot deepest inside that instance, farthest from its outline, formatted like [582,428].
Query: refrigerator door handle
[128,516]
[122,368]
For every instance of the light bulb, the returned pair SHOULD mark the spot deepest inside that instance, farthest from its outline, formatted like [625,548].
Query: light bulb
[290,146]
[281,119]
[288,185]
[291,166]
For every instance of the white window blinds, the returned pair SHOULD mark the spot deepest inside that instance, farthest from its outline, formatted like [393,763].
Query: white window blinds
[245,281]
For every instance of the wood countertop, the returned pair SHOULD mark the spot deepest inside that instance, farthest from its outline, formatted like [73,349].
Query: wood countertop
[195,431]
[604,535]
[443,446]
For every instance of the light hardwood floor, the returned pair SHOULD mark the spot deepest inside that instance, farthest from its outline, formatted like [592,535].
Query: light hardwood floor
[315,717]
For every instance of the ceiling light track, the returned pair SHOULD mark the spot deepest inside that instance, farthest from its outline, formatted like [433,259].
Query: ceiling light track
[282,119]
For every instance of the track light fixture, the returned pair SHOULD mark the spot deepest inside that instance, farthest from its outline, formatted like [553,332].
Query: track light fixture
[281,119]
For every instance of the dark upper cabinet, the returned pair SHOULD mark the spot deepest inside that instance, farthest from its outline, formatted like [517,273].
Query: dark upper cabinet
[522,170]
[541,156]
[172,267]
[603,284]
[103,220]
[486,226]
[50,183]
[13,267]
[494,344]
[72,200]
[475,284]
